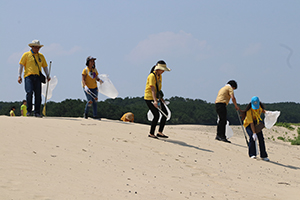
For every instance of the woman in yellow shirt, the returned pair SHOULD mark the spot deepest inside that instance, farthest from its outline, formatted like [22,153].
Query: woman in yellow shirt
[89,84]
[12,111]
[153,86]
[253,113]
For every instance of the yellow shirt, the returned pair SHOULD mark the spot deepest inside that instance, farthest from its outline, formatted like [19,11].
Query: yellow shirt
[28,62]
[24,108]
[128,117]
[90,77]
[152,82]
[224,94]
[12,113]
[252,115]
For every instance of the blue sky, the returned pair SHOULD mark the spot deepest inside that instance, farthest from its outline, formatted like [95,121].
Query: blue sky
[205,43]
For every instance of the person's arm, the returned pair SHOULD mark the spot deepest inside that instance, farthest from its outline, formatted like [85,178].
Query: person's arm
[98,79]
[252,128]
[47,73]
[153,91]
[83,80]
[20,73]
[234,102]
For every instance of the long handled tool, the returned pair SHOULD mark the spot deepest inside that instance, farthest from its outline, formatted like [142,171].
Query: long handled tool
[92,95]
[237,112]
[44,109]
[162,112]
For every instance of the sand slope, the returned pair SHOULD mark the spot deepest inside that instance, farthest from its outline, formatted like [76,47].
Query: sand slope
[75,158]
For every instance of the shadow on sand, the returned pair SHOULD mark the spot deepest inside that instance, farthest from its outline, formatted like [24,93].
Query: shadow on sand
[282,165]
[185,145]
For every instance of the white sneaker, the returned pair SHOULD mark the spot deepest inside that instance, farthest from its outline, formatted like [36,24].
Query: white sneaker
[265,159]
[253,157]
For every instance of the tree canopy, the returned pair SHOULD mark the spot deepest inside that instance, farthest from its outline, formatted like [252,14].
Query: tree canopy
[184,110]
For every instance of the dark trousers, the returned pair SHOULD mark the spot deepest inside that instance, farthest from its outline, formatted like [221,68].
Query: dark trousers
[222,113]
[155,113]
[33,85]
[261,142]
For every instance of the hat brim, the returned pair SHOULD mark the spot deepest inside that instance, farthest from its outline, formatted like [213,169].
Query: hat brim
[35,45]
[164,68]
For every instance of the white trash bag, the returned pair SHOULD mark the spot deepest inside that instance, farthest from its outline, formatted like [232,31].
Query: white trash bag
[150,115]
[271,118]
[107,87]
[228,130]
[52,84]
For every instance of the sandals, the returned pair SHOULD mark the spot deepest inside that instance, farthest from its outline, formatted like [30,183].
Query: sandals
[157,136]
[152,136]
[162,136]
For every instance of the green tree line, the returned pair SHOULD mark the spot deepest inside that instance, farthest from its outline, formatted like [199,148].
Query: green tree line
[184,110]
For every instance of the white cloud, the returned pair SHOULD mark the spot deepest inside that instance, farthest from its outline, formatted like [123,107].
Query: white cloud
[58,50]
[169,44]
[52,50]
[252,49]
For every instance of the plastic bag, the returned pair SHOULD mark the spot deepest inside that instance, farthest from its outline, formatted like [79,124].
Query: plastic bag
[52,84]
[271,118]
[107,87]
[228,130]
[150,115]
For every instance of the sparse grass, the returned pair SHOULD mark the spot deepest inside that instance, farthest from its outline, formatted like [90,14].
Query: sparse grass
[285,125]
[296,141]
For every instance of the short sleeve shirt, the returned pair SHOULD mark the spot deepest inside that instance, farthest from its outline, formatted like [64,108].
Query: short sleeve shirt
[30,65]
[152,82]
[24,108]
[90,77]
[12,113]
[224,94]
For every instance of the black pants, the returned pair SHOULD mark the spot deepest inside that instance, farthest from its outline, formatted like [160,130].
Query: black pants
[222,113]
[155,113]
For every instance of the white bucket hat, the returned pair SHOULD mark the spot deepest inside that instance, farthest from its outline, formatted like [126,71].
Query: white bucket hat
[35,43]
[162,67]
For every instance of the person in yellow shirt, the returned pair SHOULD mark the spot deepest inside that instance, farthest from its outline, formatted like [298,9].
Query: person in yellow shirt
[155,101]
[224,95]
[128,117]
[12,111]
[32,62]
[89,84]
[253,116]
[24,109]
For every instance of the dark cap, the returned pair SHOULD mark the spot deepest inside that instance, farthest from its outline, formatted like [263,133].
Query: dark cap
[88,59]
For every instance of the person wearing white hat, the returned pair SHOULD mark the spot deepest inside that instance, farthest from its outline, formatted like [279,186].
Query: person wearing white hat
[89,84]
[252,115]
[154,98]
[32,62]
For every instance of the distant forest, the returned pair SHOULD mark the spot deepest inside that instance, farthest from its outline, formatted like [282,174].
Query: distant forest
[184,110]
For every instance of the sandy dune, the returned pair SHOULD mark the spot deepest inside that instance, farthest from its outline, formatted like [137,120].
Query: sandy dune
[75,158]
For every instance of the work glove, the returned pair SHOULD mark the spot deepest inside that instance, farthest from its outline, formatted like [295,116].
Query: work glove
[254,136]
[87,89]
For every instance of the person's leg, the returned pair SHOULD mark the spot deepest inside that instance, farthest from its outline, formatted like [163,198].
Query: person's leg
[163,118]
[95,94]
[262,147]
[155,116]
[222,113]
[88,104]
[37,95]
[29,92]
[251,145]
